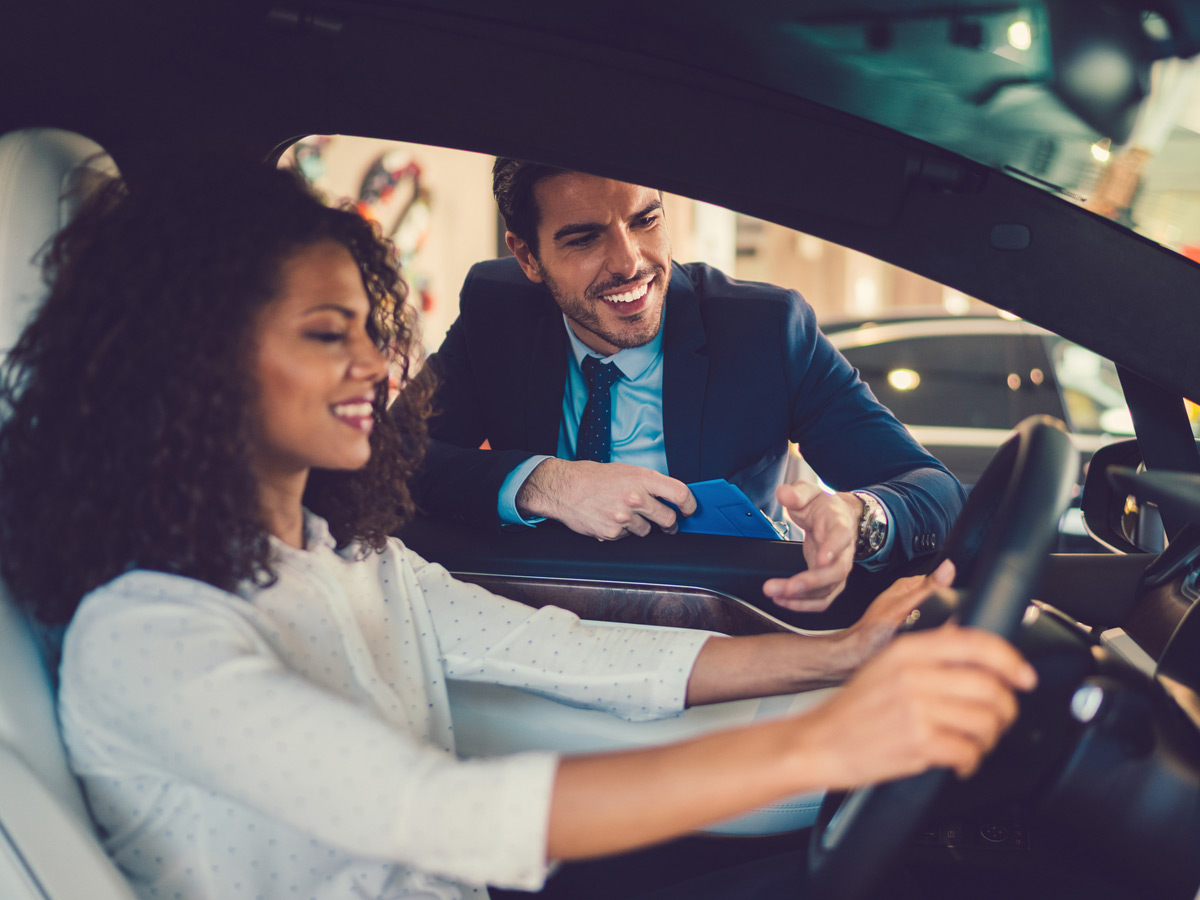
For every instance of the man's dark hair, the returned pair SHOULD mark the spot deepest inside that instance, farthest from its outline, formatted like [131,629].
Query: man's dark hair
[130,398]
[513,181]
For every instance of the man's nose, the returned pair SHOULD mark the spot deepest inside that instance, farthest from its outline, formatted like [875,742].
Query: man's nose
[625,256]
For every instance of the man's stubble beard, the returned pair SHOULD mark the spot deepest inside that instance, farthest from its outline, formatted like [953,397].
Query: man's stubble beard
[583,311]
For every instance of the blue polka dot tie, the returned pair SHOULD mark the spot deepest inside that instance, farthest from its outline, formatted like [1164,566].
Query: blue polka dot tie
[595,425]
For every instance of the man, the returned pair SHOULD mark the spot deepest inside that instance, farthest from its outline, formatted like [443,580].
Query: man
[712,378]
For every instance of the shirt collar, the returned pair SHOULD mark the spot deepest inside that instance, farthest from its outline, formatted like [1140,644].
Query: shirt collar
[632,361]
[316,535]
[316,532]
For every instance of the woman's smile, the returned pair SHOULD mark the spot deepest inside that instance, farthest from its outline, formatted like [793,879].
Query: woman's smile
[357,413]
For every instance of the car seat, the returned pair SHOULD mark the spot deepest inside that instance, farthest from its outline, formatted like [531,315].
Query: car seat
[48,847]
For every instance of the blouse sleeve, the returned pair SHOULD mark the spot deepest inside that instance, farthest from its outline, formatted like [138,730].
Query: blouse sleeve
[636,673]
[162,676]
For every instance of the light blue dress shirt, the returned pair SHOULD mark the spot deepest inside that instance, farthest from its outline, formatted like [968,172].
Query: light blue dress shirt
[637,421]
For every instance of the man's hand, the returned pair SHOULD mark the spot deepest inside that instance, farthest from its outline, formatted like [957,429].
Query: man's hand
[830,523]
[934,698]
[606,501]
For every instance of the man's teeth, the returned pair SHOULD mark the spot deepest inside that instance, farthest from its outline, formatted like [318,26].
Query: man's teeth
[352,410]
[629,296]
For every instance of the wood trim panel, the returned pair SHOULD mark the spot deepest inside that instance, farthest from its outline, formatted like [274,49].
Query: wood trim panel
[634,604]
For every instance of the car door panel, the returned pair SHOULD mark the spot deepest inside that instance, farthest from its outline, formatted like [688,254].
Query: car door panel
[669,578]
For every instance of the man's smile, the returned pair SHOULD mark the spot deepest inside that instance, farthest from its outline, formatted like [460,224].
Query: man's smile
[635,293]
[628,299]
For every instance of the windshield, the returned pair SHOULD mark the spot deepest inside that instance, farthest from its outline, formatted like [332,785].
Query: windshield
[1152,183]
[1068,100]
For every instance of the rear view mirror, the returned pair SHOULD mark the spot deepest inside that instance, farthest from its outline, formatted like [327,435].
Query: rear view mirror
[1101,58]
[1111,515]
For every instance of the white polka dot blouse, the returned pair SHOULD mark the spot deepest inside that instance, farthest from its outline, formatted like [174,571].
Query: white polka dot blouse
[296,741]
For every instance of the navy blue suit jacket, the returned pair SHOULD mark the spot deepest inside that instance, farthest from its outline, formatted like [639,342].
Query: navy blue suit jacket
[745,370]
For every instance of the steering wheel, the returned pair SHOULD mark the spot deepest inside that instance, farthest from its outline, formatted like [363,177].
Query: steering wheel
[999,546]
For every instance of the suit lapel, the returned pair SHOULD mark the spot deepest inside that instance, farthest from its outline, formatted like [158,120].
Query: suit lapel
[685,378]
[545,379]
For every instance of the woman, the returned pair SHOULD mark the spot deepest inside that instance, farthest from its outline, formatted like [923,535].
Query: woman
[197,472]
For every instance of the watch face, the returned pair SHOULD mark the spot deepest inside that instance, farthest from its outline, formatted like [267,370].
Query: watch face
[872,527]
[875,538]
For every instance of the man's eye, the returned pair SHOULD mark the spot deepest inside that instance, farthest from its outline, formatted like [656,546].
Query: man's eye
[581,241]
[647,221]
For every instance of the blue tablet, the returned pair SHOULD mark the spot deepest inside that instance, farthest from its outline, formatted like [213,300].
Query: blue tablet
[724,508]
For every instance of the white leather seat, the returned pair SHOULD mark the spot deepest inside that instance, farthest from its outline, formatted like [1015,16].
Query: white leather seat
[48,848]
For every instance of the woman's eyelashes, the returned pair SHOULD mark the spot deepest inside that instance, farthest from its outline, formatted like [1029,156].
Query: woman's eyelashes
[327,337]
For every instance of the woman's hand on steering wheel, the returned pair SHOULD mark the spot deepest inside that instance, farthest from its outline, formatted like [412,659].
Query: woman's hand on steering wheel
[938,698]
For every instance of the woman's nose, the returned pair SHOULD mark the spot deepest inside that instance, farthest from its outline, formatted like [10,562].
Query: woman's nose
[369,363]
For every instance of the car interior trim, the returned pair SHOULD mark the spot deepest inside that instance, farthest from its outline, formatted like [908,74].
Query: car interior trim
[675,606]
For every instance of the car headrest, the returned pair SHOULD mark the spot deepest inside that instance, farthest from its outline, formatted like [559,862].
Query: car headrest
[38,168]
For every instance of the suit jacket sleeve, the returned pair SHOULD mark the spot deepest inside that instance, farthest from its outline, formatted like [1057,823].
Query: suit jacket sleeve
[854,442]
[458,481]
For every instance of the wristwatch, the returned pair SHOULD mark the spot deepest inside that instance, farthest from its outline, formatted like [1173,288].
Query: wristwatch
[872,526]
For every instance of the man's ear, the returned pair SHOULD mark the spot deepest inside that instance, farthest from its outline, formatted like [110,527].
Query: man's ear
[524,255]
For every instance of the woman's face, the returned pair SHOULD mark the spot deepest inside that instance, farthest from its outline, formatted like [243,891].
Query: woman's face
[316,367]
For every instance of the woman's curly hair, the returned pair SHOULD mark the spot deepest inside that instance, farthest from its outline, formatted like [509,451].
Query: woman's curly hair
[128,400]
